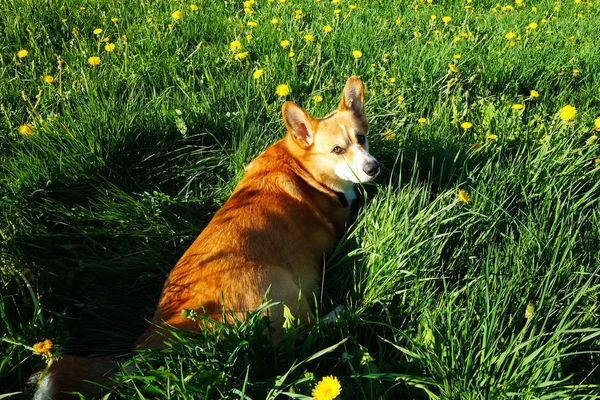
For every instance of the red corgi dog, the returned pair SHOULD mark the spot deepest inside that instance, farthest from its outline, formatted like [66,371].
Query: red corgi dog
[286,214]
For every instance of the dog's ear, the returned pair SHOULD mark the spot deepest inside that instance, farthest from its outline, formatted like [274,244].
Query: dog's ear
[299,123]
[353,96]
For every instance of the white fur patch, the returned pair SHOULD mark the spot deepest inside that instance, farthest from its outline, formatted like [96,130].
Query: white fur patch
[45,389]
[351,169]
[333,314]
[350,195]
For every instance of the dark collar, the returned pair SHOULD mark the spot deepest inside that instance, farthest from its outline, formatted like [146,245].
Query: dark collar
[342,199]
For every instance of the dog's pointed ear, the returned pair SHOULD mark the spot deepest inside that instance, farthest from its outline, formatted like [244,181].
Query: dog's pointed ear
[299,123]
[353,96]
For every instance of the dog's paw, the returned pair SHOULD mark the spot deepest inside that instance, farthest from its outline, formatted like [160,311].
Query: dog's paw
[332,315]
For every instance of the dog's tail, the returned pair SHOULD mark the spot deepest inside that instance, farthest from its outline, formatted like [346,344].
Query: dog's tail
[74,374]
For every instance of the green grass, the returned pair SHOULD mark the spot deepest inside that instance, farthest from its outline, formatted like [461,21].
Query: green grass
[129,160]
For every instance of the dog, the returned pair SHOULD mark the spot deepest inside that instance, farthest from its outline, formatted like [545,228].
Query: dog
[271,236]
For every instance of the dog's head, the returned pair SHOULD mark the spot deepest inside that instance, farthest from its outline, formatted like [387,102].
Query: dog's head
[334,149]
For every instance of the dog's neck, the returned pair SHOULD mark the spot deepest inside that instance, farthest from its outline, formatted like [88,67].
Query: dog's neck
[347,197]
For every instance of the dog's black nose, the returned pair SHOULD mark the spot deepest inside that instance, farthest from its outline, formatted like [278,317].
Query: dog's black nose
[371,168]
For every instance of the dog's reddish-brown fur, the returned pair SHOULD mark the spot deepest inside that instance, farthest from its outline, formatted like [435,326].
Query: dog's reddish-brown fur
[272,235]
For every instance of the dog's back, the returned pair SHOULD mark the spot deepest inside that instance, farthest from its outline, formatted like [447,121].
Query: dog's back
[271,235]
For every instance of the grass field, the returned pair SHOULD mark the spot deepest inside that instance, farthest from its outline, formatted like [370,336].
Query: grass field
[125,125]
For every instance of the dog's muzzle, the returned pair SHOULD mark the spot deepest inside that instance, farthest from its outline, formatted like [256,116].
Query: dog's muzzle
[371,168]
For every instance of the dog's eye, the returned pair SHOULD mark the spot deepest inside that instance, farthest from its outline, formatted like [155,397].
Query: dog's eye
[338,150]
[361,139]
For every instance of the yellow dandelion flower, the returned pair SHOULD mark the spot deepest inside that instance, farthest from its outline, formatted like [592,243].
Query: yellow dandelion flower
[567,113]
[317,99]
[597,124]
[44,347]
[252,24]
[275,21]
[94,60]
[422,120]
[352,6]
[258,73]
[575,72]
[26,130]
[517,106]
[97,31]
[248,3]
[109,47]
[337,11]
[241,56]
[533,93]
[532,25]
[357,54]
[392,80]
[456,56]
[193,7]
[463,197]
[466,125]
[249,37]
[336,1]
[291,54]
[282,90]
[177,15]
[510,35]
[433,17]
[328,388]
[48,78]
[114,20]
[22,53]
[235,45]
[309,38]
[446,19]
[327,28]
[388,134]
[64,20]
[248,11]
[452,68]
[491,136]
[400,99]
[597,161]
[284,43]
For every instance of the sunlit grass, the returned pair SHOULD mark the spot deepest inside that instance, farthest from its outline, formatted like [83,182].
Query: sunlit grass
[471,271]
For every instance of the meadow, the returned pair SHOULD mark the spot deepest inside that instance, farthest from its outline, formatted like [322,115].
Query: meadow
[472,270]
